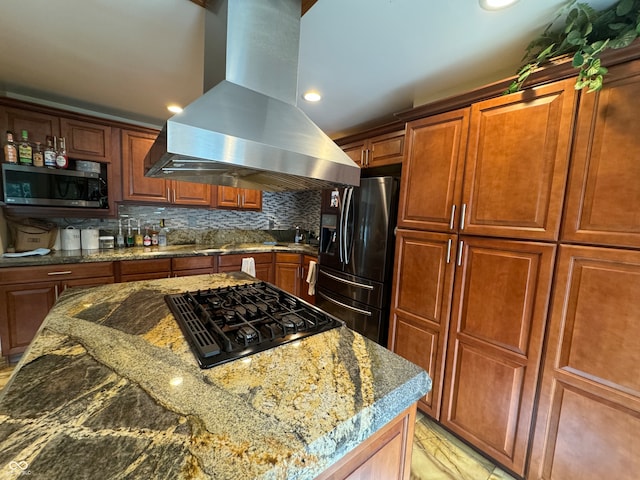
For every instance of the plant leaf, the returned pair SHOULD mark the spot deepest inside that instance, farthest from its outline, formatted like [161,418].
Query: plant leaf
[578,60]
[624,7]
[624,39]
[575,38]
[595,84]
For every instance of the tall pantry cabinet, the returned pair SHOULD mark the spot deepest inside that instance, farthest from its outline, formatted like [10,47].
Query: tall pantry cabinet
[588,421]
[481,200]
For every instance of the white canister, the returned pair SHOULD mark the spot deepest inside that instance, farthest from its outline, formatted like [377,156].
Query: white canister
[90,238]
[70,238]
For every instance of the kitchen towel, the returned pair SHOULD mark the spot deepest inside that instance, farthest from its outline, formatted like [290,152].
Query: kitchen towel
[311,277]
[249,266]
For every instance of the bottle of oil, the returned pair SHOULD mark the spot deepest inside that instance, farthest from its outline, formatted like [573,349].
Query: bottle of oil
[10,149]
[25,151]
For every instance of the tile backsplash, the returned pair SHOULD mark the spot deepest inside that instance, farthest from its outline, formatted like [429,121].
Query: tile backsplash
[280,211]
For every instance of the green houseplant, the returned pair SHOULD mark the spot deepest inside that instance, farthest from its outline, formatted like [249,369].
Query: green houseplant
[586,34]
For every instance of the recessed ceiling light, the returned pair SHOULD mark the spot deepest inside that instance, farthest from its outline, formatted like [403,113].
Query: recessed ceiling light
[312,96]
[496,4]
[174,108]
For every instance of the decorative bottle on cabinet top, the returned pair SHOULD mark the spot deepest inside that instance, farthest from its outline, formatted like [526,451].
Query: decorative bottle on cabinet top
[10,149]
[25,151]
[62,161]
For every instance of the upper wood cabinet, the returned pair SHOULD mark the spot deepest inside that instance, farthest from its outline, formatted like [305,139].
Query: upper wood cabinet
[496,169]
[137,187]
[588,421]
[238,198]
[431,188]
[517,162]
[421,304]
[39,125]
[501,296]
[386,149]
[603,200]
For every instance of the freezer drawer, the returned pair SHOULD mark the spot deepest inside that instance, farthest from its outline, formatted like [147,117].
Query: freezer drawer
[364,319]
[354,288]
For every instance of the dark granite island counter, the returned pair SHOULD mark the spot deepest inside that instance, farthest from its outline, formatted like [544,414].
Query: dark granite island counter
[110,389]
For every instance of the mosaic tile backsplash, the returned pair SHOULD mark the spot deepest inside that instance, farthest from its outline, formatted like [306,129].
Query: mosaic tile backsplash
[281,212]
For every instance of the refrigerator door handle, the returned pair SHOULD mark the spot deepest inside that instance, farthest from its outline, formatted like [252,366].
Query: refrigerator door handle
[344,305]
[341,230]
[348,282]
[347,234]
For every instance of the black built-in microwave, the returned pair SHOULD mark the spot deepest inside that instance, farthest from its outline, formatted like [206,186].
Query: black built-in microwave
[26,185]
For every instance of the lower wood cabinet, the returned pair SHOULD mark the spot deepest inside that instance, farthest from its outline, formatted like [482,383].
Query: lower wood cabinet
[28,293]
[500,302]
[304,286]
[588,421]
[263,262]
[134,270]
[289,272]
[421,303]
[384,455]
[198,265]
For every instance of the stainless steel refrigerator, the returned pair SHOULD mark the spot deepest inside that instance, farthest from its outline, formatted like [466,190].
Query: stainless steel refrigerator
[355,260]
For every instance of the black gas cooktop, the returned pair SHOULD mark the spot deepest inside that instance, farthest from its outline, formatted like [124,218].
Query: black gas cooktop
[228,323]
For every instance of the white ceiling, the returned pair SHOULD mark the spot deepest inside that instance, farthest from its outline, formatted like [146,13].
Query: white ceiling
[369,58]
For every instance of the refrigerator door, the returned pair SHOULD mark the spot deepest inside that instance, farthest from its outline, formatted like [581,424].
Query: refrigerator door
[367,233]
[331,249]
[366,320]
[354,288]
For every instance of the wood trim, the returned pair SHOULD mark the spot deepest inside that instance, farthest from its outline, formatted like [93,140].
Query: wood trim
[305,6]
[559,69]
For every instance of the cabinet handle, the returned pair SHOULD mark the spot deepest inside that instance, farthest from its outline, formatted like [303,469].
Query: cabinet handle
[453,216]
[462,215]
[362,154]
[449,250]
[169,195]
[460,253]
[55,290]
[65,272]
[238,200]
[367,157]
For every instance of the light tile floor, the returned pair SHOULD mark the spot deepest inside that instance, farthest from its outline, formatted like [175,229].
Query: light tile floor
[438,455]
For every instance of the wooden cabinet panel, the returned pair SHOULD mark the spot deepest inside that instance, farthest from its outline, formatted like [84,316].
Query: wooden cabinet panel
[86,140]
[501,296]
[431,187]
[304,286]
[288,272]
[135,270]
[603,200]
[263,261]
[421,303]
[588,422]
[377,151]
[39,125]
[517,163]
[239,198]
[189,193]
[135,186]
[23,310]
[384,455]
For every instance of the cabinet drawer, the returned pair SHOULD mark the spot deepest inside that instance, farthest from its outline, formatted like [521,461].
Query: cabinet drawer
[189,263]
[56,272]
[160,265]
[287,258]
[235,260]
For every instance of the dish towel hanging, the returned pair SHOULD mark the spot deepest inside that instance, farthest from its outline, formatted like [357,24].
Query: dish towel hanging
[249,266]
[311,277]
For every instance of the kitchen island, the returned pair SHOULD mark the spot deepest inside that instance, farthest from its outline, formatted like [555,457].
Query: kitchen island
[109,388]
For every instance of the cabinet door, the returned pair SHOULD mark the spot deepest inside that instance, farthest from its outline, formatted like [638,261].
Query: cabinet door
[134,270]
[356,151]
[501,296]
[517,162]
[387,149]
[135,186]
[251,199]
[228,197]
[39,125]
[603,200]
[189,193]
[22,310]
[588,421]
[288,272]
[86,140]
[431,184]
[421,304]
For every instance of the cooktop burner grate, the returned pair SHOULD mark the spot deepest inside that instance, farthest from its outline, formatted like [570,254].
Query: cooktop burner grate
[228,323]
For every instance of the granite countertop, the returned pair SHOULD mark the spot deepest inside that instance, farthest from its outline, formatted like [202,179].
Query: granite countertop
[145,253]
[110,389]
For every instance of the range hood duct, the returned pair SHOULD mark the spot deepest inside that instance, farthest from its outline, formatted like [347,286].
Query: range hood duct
[246,130]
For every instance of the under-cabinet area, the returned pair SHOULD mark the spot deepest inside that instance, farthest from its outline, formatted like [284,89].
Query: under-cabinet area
[27,293]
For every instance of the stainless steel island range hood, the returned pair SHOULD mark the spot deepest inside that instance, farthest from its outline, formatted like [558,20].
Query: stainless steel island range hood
[246,130]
